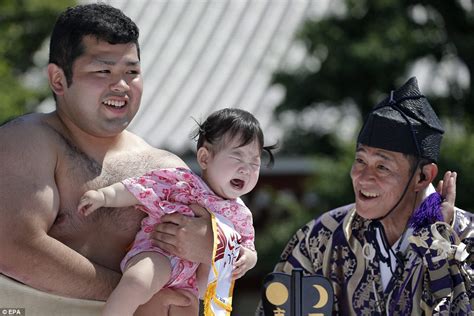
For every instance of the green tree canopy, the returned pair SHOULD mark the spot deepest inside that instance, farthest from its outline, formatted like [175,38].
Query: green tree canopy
[360,54]
[24,27]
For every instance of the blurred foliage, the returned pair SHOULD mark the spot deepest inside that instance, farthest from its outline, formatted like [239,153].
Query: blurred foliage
[457,155]
[287,214]
[24,27]
[359,55]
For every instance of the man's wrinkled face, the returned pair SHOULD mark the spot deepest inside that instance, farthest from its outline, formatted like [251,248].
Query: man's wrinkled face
[379,178]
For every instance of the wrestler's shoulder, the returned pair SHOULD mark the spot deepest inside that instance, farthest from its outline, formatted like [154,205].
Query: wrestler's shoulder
[32,128]
[161,157]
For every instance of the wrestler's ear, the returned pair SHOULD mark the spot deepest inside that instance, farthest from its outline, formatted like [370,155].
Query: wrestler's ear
[57,79]
[203,156]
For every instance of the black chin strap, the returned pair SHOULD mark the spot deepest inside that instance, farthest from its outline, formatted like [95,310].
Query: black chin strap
[371,236]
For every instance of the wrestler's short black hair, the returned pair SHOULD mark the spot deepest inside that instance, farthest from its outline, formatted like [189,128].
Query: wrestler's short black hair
[229,123]
[404,122]
[99,20]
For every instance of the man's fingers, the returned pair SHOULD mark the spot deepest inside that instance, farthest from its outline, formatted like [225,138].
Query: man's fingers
[167,228]
[173,218]
[450,195]
[164,241]
[446,178]
[439,188]
[199,211]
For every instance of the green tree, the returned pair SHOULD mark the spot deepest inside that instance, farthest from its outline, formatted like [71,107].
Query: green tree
[24,27]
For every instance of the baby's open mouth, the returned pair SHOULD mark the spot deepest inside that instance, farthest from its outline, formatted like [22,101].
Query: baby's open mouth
[237,183]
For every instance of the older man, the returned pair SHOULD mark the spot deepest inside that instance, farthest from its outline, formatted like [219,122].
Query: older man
[390,252]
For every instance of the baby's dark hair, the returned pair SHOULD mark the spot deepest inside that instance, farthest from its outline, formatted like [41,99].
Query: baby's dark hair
[231,122]
[99,20]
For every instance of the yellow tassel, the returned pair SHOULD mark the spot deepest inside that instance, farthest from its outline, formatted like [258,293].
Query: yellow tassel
[208,297]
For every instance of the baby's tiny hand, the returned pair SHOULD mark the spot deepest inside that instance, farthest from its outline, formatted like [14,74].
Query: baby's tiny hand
[246,261]
[91,201]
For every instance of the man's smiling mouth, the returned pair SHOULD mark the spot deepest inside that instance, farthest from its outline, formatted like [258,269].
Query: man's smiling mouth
[369,194]
[114,103]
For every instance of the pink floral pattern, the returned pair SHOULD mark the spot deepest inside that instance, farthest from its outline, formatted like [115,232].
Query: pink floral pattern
[165,191]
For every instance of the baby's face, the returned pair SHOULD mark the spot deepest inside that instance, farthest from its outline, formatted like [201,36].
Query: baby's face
[233,171]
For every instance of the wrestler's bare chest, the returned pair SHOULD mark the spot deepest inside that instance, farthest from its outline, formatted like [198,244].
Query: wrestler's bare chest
[104,235]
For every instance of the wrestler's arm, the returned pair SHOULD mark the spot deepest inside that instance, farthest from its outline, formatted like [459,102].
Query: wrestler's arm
[29,206]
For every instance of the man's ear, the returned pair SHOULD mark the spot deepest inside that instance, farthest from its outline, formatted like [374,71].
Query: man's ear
[426,175]
[203,156]
[57,79]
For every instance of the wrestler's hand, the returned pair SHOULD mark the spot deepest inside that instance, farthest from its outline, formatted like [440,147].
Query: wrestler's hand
[91,201]
[246,261]
[447,189]
[160,303]
[190,238]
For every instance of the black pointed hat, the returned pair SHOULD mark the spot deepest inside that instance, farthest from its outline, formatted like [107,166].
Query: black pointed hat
[404,122]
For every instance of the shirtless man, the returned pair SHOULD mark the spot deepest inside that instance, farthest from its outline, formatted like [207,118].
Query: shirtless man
[49,160]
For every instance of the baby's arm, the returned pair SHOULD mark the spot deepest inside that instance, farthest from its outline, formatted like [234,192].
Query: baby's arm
[246,261]
[115,195]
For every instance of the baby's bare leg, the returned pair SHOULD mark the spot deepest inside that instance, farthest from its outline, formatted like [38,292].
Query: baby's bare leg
[145,274]
[191,310]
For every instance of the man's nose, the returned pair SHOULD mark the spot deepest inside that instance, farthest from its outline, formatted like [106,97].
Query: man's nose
[367,174]
[120,85]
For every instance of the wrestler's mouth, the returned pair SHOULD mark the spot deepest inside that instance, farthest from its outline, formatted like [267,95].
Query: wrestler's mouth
[115,104]
[237,184]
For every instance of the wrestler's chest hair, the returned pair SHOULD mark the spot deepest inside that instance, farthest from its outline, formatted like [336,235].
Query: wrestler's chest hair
[80,172]
[84,169]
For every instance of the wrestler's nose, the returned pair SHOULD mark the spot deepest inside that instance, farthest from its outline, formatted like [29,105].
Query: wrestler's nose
[120,85]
